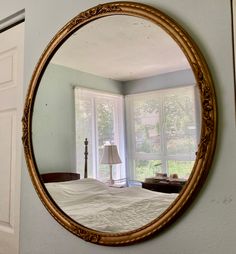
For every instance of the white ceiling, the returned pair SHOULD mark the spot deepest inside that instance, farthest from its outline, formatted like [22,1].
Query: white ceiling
[121,48]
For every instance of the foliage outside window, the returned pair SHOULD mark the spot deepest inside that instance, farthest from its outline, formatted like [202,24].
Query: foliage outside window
[163,132]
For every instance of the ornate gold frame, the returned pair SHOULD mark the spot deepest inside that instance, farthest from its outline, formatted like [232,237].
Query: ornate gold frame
[208,130]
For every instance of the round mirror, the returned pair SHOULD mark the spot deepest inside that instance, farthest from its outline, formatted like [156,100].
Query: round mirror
[119,123]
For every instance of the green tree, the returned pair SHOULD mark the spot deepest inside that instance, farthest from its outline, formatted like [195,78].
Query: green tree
[105,123]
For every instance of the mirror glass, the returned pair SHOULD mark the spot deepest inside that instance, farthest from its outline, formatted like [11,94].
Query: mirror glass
[124,84]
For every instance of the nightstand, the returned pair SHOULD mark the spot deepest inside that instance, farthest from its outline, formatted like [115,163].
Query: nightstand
[166,186]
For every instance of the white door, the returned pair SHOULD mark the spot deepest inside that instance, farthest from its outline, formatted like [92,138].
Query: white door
[11,97]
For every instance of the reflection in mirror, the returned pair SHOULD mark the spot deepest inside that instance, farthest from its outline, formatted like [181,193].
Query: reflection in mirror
[125,85]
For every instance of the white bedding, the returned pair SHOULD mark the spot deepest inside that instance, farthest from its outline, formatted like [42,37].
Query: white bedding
[97,206]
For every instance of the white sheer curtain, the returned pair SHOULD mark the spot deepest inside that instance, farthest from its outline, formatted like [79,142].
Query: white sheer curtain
[99,118]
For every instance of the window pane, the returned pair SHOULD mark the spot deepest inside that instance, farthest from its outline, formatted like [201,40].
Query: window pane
[105,122]
[180,122]
[104,172]
[83,130]
[181,145]
[147,124]
[182,168]
[106,114]
[146,168]
[105,129]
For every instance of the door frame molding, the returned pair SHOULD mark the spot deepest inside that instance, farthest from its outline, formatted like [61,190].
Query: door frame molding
[12,20]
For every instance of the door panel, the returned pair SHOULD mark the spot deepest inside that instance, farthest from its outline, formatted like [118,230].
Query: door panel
[11,97]
[7,158]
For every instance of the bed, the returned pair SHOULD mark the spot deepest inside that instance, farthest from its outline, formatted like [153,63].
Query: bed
[99,206]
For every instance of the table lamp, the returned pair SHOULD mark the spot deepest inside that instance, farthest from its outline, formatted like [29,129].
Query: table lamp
[110,156]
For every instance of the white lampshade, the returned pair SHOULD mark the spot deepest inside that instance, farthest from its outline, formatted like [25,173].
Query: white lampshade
[110,155]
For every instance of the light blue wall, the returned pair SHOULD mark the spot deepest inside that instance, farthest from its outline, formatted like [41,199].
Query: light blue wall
[54,116]
[208,226]
[162,81]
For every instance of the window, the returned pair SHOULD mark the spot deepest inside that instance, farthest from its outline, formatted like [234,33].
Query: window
[99,118]
[163,132]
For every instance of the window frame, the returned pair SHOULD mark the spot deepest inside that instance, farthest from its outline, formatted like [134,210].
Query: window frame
[163,156]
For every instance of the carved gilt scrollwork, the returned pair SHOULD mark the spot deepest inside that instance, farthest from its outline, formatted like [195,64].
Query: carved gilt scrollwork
[84,234]
[207,109]
[25,127]
[96,11]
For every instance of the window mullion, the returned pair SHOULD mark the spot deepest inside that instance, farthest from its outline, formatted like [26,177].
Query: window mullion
[95,139]
[130,135]
[119,134]
[163,136]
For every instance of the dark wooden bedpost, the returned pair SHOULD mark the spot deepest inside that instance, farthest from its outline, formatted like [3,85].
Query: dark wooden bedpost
[86,158]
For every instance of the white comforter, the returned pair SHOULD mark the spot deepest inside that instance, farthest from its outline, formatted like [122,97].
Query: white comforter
[107,209]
